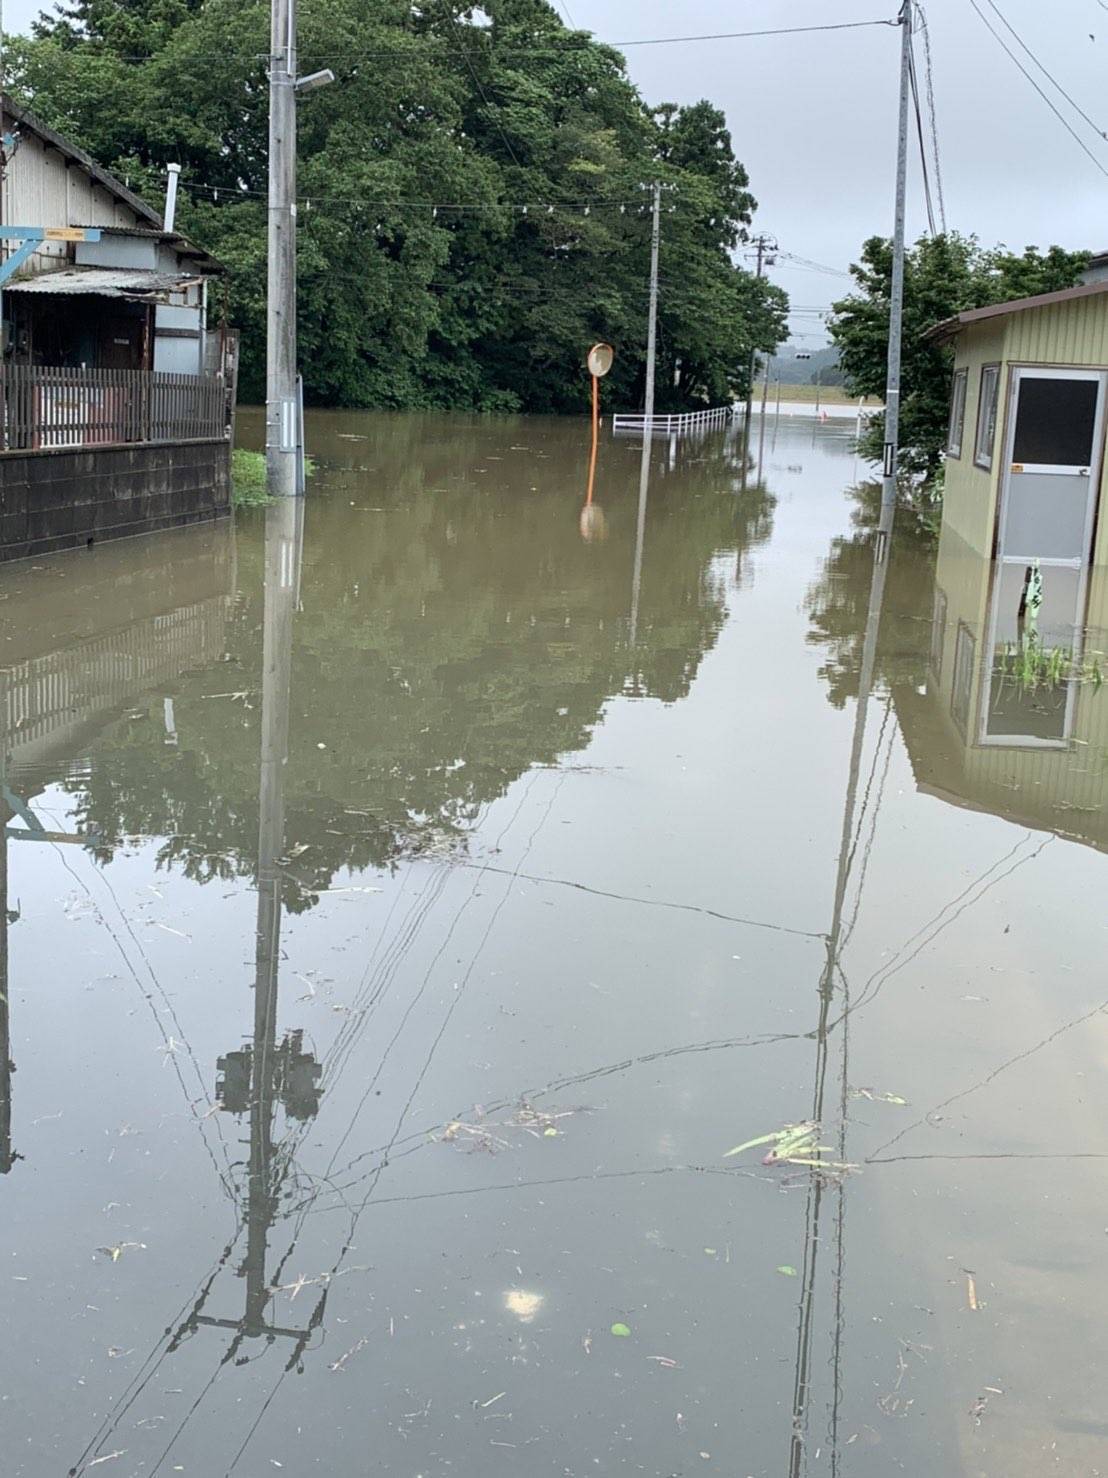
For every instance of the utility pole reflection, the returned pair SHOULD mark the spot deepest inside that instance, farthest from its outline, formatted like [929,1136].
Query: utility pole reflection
[818,1191]
[263,1074]
[640,536]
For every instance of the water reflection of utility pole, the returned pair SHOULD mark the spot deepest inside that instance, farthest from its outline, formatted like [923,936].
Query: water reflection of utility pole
[5,1023]
[640,536]
[817,1191]
[259,1076]
[762,425]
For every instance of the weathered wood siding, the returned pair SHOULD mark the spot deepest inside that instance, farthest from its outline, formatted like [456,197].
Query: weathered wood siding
[43,188]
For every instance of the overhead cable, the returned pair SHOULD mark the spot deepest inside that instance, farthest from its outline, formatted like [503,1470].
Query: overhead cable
[930,80]
[1074,104]
[1048,101]
[914,85]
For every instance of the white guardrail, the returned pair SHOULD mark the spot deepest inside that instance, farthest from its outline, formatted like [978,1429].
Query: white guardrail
[662,425]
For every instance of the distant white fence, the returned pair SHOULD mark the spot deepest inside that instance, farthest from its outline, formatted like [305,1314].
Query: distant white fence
[719,415]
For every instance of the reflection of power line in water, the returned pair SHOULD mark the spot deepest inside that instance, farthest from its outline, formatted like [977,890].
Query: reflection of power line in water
[457,995]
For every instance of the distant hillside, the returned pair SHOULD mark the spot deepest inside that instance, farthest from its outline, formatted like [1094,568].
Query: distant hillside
[823,363]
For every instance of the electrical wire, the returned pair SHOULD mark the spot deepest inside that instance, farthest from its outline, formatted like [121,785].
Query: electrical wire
[569,44]
[1048,101]
[930,80]
[1074,104]
[808,265]
[448,9]
[913,81]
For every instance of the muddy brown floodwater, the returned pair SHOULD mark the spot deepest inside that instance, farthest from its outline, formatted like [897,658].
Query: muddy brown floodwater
[405,915]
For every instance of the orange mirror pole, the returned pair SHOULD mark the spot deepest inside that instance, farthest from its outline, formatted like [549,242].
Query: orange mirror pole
[599,361]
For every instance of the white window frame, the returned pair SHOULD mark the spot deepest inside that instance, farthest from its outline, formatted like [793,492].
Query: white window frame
[956,427]
[987,407]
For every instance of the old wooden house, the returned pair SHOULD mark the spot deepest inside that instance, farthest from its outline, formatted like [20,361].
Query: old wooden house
[116,392]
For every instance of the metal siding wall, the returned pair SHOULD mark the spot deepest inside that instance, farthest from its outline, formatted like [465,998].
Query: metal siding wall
[1074,333]
[970,492]
[1070,333]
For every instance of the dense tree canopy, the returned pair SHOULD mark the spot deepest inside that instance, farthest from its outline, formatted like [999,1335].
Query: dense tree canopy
[943,275]
[473,212]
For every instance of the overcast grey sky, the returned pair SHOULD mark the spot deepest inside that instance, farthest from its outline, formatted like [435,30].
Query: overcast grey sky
[813,117]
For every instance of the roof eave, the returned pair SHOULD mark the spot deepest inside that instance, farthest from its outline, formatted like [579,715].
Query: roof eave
[97,172]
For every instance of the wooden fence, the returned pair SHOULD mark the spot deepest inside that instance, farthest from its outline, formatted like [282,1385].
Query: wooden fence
[42,407]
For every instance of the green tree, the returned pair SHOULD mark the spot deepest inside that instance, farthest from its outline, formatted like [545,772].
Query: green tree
[943,275]
[473,212]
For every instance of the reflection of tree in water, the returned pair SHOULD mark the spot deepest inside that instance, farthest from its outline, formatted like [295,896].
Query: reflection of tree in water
[838,600]
[440,652]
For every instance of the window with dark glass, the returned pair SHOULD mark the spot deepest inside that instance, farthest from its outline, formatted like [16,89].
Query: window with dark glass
[986,416]
[957,414]
[1055,421]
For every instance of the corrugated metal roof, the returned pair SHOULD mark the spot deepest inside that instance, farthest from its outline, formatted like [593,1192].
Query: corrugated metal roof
[107,282]
[940,332]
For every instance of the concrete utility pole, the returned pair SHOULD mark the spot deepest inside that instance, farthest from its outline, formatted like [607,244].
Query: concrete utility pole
[284,434]
[896,296]
[280,372]
[765,246]
[652,325]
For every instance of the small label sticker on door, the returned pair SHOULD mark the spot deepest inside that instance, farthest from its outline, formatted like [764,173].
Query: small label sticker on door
[1017,466]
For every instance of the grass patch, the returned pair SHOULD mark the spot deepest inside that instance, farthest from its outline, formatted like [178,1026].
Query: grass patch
[809,394]
[248,489]
[248,479]
[1031,666]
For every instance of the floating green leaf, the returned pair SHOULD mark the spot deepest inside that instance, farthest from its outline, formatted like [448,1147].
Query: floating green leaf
[786,1270]
[749,1144]
[621,1331]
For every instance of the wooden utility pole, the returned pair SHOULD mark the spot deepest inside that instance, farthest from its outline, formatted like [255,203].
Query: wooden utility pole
[764,246]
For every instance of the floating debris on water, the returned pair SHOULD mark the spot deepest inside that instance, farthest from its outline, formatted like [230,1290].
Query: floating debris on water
[523,1304]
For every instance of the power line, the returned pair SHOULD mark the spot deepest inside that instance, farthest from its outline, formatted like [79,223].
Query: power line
[539,207]
[930,78]
[914,84]
[808,265]
[743,35]
[447,7]
[570,44]
[1100,133]
[1050,104]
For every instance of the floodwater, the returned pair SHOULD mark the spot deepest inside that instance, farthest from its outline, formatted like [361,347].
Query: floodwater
[396,945]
